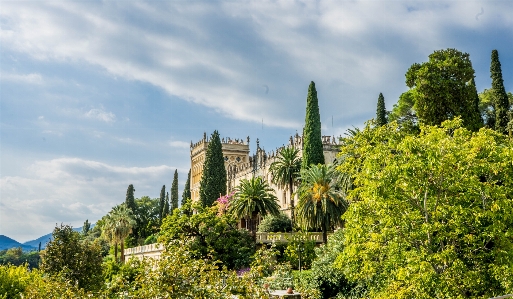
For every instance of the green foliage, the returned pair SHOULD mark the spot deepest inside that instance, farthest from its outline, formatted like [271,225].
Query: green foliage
[174,191]
[381,111]
[150,240]
[265,261]
[72,259]
[300,249]
[166,206]
[162,203]
[14,280]
[430,215]
[254,196]
[312,138]
[282,277]
[275,223]
[443,88]
[500,97]
[86,228]
[187,189]
[285,171]
[487,108]
[146,217]
[130,199]
[15,256]
[321,198]
[213,180]
[404,114]
[118,226]
[209,235]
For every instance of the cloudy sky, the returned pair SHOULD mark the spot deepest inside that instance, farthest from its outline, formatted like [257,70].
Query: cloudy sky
[96,95]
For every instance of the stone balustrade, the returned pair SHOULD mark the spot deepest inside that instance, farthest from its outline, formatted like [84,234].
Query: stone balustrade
[145,251]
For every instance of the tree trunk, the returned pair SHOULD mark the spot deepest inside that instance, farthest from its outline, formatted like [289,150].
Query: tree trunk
[292,216]
[122,252]
[116,252]
[324,232]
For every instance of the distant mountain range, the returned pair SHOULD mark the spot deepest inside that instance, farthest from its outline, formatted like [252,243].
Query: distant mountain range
[6,242]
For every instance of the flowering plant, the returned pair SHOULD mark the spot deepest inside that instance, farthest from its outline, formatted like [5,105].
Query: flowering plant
[223,203]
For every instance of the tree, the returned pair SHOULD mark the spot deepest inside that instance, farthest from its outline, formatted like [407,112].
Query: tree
[443,88]
[312,138]
[209,235]
[381,112]
[174,192]
[500,97]
[285,172]
[321,200]
[430,214]
[187,189]
[166,206]
[147,218]
[213,180]
[118,225]
[130,200]
[275,224]
[69,257]
[254,197]
[86,228]
[162,202]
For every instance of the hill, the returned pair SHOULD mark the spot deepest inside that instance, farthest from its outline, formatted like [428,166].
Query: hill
[6,243]
[46,238]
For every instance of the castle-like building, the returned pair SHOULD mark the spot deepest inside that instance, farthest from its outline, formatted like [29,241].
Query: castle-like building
[240,164]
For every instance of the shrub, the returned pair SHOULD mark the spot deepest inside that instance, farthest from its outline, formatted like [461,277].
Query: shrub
[275,224]
[14,280]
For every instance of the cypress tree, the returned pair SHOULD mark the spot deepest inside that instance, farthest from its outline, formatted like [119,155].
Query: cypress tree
[130,200]
[213,179]
[162,202]
[174,192]
[500,96]
[187,189]
[381,112]
[312,138]
[166,207]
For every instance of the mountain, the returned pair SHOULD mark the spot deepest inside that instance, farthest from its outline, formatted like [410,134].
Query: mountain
[6,243]
[47,238]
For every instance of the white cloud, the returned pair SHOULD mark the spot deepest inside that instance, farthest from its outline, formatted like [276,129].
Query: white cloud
[70,190]
[180,144]
[100,114]
[22,78]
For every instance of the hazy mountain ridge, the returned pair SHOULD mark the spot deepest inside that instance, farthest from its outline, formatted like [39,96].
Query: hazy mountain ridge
[6,242]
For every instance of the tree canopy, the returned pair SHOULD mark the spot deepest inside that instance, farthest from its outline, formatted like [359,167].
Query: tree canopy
[500,97]
[312,138]
[213,179]
[443,88]
[174,191]
[186,194]
[381,111]
[430,214]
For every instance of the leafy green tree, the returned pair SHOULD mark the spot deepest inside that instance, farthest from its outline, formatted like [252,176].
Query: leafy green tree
[254,197]
[285,172]
[162,202]
[69,257]
[404,113]
[275,224]
[381,111]
[187,189]
[130,199]
[321,200]
[500,97]
[174,192]
[86,228]
[118,226]
[166,206]
[443,88]
[312,138]
[15,256]
[209,235]
[213,180]
[430,214]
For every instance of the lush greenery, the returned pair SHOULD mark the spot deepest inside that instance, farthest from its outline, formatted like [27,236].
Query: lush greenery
[500,97]
[285,172]
[209,235]
[187,189]
[312,138]
[275,223]
[16,256]
[431,213]
[213,180]
[174,192]
[381,111]
[444,88]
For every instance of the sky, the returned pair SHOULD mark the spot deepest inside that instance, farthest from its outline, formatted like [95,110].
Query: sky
[97,95]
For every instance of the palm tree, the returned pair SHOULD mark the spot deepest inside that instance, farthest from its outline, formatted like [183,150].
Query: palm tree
[254,196]
[285,172]
[118,225]
[321,198]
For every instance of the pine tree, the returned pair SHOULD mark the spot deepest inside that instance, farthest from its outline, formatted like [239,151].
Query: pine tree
[381,112]
[187,189]
[162,202]
[130,200]
[500,96]
[166,206]
[213,180]
[312,138]
[174,192]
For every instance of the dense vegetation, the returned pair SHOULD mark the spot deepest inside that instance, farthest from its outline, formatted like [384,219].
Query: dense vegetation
[419,205]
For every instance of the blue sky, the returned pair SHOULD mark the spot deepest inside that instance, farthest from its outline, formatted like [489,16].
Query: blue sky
[96,95]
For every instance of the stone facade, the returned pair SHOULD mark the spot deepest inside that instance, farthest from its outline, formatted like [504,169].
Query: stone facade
[241,165]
